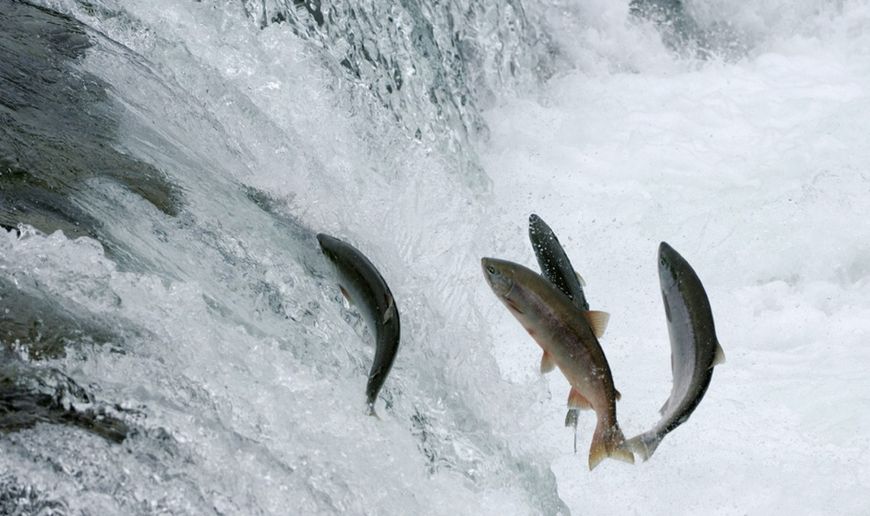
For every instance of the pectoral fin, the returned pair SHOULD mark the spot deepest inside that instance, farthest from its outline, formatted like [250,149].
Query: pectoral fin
[547,363]
[597,321]
[580,279]
[346,294]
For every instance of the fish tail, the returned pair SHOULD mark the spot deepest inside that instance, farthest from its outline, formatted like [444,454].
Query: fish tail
[608,441]
[644,444]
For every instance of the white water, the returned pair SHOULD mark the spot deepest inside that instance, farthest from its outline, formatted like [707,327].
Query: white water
[754,170]
[757,172]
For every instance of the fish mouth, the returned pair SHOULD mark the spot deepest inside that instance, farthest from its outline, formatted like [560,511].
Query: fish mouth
[329,245]
[667,257]
[666,252]
[324,240]
[536,224]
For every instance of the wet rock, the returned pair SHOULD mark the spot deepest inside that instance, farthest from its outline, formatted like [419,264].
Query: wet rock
[58,128]
[31,395]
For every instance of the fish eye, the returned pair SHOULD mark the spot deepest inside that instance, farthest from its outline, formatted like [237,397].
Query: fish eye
[490,269]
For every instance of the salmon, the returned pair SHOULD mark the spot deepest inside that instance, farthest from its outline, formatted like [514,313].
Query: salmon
[568,338]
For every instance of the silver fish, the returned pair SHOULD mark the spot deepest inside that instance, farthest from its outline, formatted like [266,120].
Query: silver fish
[695,350]
[364,287]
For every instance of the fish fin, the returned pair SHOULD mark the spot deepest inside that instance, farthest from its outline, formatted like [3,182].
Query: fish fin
[571,421]
[571,417]
[547,363]
[622,453]
[597,453]
[580,279]
[608,442]
[370,411]
[720,356]
[597,321]
[577,400]
[644,445]
[617,394]
[345,293]
[664,407]
[388,312]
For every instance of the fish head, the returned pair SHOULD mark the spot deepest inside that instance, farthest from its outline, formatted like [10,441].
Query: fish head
[499,275]
[539,230]
[671,266]
[330,245]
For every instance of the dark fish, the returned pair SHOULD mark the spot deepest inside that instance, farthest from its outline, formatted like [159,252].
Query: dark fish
[554,263]
[557,268]
[695,350]
[362,284]
[568,338]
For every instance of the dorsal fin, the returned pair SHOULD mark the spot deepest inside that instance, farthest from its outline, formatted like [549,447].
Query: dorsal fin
[720,356]
[664,407]
[616,394]
[388,312]
[597,321]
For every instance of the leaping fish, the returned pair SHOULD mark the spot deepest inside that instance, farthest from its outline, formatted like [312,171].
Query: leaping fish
[556,267]
[364,287]
[554,263]
[695,350]
[568,339]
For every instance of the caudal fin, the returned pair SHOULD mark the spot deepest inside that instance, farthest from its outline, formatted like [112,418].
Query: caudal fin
[644,444]
[608,442]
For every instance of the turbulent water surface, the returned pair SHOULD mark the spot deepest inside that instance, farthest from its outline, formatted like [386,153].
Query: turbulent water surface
[173,341]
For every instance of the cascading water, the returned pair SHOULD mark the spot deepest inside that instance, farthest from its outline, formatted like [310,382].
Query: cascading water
[207,328]
[173,341]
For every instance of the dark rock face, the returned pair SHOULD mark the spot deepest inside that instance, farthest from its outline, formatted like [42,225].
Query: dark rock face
[682,33]
[670,16]
[29,396]
[44,328]
[58,134]
[57,128]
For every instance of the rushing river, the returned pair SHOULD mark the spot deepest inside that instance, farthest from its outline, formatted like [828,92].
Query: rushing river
[173,341]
